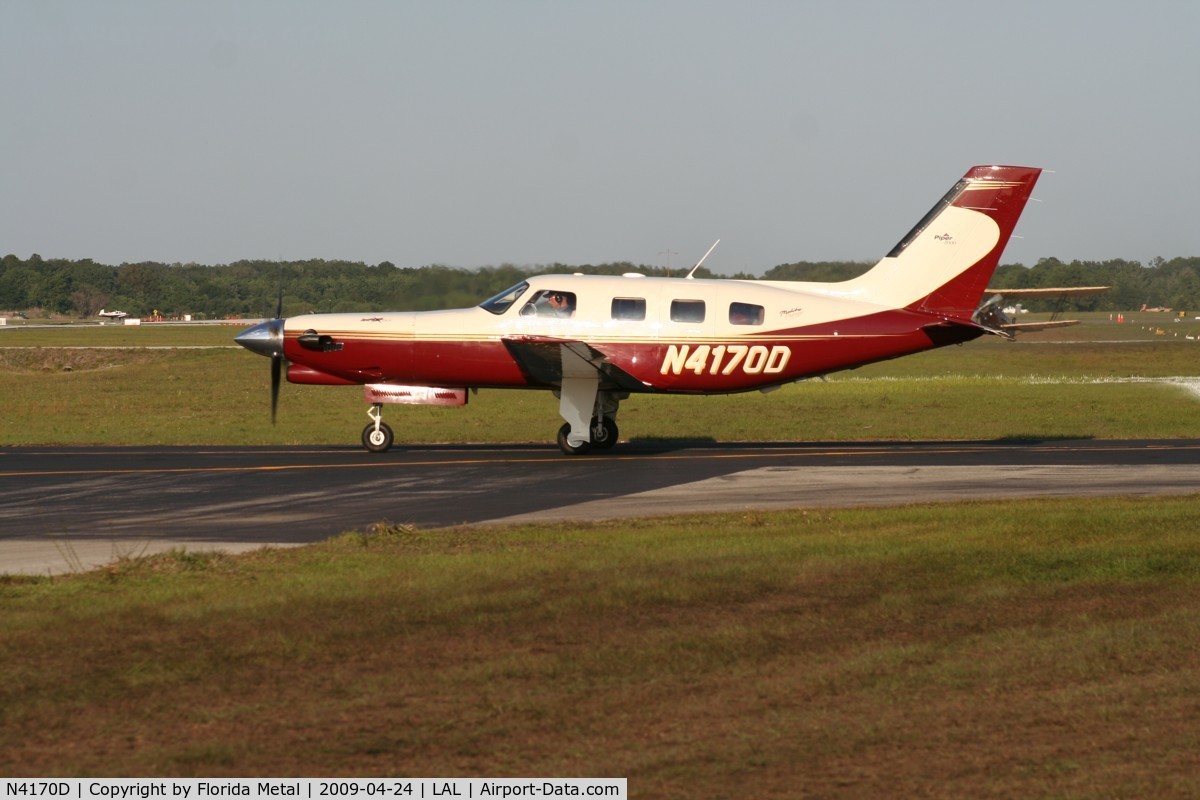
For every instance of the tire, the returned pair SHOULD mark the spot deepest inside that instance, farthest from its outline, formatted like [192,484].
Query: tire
[378,441]
[566,446]
[604,433]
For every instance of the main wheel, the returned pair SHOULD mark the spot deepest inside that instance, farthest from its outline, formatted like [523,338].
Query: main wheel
[604,433]
[566,446]
[378,441]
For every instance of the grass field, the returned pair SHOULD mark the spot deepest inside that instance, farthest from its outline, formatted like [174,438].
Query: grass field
[979,650]
[1040,648]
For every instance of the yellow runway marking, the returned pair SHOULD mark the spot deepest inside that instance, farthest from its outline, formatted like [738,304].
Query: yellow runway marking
[372,463]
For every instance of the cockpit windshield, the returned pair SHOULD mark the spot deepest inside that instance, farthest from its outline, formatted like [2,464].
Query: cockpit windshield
[503,301]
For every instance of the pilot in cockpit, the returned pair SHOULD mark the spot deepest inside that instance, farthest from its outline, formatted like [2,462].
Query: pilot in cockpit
[561,304]
[551,303]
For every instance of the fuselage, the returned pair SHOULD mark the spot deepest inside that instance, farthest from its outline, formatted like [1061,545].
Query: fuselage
[652,334]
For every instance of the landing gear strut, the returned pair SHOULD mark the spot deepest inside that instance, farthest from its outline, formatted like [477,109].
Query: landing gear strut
[377,437]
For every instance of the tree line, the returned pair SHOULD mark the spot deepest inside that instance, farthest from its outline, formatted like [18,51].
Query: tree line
[81,288]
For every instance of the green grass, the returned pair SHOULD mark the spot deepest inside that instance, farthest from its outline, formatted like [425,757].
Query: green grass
[974,650]
[986,389]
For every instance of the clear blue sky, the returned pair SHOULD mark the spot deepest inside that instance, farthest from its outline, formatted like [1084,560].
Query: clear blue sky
[475,133]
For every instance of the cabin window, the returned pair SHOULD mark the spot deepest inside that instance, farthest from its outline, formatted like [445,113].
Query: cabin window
[550,303]
[630,308]
[503,301]
[687,311]
[746,314]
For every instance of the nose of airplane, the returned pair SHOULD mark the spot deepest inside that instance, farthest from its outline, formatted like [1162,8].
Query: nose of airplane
[265,338]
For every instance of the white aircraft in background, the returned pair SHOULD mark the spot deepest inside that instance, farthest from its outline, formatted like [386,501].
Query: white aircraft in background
[112,314]
[594,340]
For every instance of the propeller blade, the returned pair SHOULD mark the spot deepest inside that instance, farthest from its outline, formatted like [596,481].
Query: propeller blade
[276,374]
[277,359]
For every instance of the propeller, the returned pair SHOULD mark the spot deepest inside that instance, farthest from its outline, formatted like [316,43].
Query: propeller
[266,339]
[276,375]
[276,329]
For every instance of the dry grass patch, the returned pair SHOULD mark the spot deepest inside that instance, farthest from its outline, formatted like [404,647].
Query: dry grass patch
[42,359]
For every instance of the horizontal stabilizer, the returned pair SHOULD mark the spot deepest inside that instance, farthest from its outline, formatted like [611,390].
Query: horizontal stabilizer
[1030,327]
[1067,291]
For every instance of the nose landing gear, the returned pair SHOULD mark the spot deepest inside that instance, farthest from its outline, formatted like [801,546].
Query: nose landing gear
[377,437]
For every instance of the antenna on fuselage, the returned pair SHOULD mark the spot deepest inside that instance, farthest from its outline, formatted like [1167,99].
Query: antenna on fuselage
[701,261]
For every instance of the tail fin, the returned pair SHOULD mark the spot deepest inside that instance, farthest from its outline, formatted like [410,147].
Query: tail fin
[945,262]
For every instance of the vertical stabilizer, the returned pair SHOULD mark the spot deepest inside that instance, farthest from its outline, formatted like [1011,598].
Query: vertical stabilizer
[997,195]
[944,263]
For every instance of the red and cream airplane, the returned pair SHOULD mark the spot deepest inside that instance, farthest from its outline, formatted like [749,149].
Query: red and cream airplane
[596,339]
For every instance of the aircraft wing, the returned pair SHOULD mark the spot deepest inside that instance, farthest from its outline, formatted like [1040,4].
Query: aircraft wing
[546,360]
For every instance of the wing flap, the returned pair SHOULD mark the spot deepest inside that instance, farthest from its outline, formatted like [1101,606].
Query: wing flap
[546,361]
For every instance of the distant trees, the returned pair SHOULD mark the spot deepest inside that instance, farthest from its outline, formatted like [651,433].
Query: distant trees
[818,271]
[251,288]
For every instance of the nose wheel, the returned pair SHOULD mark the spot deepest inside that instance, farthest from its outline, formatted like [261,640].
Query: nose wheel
[377,437]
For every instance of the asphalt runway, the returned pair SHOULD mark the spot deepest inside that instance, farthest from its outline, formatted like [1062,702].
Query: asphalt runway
[68,508]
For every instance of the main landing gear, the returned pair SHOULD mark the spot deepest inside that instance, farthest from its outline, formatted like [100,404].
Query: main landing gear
[603,432]
[377,437]
[600,433]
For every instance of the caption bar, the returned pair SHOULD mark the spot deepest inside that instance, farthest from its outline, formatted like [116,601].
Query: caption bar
[318,788]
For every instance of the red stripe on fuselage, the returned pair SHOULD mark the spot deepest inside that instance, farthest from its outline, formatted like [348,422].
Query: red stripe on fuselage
[735,364]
